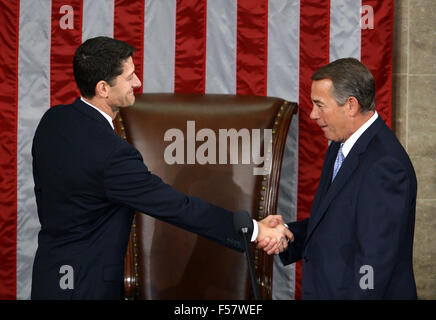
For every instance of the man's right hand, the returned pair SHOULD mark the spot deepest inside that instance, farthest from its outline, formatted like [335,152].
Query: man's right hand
[273,235]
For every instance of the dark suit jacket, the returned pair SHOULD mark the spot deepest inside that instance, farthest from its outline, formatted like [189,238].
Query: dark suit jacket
[88,184]
[364,218]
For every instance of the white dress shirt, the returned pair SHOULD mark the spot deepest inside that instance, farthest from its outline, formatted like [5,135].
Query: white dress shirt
[108,117]
[349,143]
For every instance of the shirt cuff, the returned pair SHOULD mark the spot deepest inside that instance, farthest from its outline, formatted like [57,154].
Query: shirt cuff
[255,231]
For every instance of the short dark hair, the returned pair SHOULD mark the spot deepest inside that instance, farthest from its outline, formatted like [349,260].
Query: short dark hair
[350,78]
[97,59]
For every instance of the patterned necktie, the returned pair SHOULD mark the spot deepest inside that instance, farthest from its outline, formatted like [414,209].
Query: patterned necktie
[338,162]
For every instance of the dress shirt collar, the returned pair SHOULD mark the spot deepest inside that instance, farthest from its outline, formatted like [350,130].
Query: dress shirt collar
[349,143]
[108,118]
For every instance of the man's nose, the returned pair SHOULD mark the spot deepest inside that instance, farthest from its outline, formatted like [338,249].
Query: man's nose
[314,113]
[137,82]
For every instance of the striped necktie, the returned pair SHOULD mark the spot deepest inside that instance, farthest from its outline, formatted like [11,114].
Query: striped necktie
[338,162]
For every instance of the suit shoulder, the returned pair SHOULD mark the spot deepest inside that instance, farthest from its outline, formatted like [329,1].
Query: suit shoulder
[55,113]
[52,118]
[386,149]
[65,125]
[386,143]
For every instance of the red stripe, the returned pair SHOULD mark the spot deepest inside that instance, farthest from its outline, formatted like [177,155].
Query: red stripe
[9,15]
[252,44]
[314,53]
[129,27]
[190,51]
[64,42]
[377,54]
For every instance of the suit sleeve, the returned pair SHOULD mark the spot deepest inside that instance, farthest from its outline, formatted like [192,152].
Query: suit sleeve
[128,182]
[294,251]
[383,222]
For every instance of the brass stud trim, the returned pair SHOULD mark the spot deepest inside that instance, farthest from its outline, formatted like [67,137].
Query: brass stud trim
[261,207]
[123,135]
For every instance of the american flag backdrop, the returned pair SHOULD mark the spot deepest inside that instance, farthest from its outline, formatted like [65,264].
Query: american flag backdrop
[247,47]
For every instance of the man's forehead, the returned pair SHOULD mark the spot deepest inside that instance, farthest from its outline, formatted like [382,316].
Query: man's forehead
[321,87]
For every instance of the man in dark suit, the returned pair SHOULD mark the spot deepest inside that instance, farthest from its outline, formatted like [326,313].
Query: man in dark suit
[357,243]
[89,182]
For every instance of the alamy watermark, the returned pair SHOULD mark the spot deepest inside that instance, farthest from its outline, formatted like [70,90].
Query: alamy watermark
[367,17]
[66,281]
[227,150]
[67,20]
[367,280]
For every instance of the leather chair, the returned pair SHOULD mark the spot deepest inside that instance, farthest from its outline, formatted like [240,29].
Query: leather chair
[166,262]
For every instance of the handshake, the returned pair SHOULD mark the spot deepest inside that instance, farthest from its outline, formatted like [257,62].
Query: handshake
[273,236]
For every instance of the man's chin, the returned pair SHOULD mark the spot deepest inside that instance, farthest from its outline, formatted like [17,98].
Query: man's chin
[131,102]
[331,138]
[126,105]
[327,136]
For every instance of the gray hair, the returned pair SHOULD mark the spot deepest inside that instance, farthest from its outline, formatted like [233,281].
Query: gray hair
[350,78]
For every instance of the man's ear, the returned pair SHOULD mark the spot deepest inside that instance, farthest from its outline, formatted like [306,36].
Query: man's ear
[353,106]
[102,89]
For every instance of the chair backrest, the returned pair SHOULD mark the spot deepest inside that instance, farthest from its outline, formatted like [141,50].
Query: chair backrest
[165,262]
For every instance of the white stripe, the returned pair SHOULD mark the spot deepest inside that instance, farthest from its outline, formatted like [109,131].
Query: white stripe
[33,101]
[98,19]
[283,82]
[283,48]
[345,33]
[159,46]
[221,46]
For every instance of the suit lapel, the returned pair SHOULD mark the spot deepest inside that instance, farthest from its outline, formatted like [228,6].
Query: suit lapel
[325,194]
[326,174]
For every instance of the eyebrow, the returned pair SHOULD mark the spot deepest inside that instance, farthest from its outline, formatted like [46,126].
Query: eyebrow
[317,101]
[131,73]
